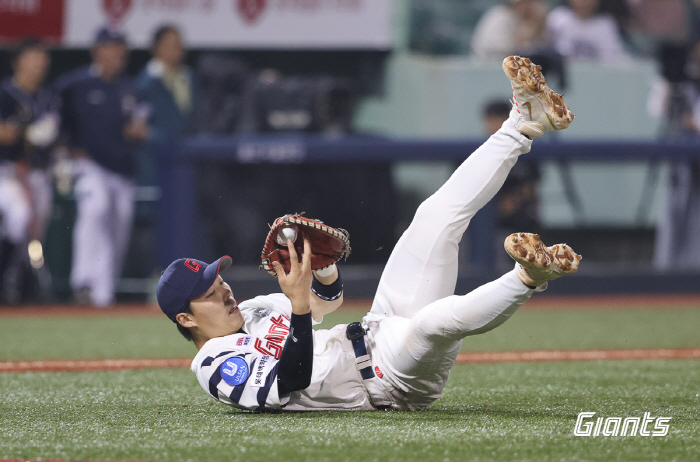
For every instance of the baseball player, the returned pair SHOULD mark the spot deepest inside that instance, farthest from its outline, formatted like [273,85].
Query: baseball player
[103,121]
[263,354]
[28,127]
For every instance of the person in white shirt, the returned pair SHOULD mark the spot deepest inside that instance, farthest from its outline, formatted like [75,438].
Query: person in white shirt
[581,31]
[515,26]
[263,353]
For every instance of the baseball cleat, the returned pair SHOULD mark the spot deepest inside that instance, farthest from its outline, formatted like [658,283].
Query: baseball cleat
[537,263]
[539,108]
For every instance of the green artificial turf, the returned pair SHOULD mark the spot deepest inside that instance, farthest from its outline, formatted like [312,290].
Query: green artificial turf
[124,336]
[502,412]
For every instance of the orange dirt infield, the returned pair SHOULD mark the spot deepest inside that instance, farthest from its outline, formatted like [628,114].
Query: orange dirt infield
[463,358]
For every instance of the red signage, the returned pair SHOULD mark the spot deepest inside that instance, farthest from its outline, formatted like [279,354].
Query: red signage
[38,18]
[116,9]
[250,10]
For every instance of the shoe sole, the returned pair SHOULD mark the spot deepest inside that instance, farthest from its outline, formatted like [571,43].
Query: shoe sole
[537,259]
[527,78]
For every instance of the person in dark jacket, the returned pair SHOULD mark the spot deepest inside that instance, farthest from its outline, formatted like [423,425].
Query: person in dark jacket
[103,121]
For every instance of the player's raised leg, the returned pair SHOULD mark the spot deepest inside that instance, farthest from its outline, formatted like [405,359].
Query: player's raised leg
[416,354]
[423,266]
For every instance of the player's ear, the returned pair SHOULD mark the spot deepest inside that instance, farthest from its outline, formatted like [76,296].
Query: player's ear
[185,320]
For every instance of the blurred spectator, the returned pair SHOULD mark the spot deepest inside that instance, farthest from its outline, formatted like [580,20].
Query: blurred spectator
[655,21]
[582,31]
[28,127]
[168,86]
[514,27]
[678,229]
[102,120]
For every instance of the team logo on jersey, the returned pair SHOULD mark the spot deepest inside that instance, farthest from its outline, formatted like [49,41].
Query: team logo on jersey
[378,372]
[234,371]
[263,312]
[193,265]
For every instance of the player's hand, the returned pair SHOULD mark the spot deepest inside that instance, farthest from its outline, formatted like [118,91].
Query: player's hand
[297,283]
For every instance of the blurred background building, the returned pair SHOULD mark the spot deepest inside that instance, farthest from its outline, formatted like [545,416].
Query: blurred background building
[354,111]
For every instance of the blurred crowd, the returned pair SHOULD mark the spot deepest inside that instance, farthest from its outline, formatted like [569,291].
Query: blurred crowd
[611,32]
[102,129]
[103,133]
[98,118]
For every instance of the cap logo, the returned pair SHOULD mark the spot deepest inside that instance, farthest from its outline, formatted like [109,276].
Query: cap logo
[193,265]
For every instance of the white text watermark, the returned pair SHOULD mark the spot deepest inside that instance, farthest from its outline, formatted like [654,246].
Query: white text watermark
[621,426]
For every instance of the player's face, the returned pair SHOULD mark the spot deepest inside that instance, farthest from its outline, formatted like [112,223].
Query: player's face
[216,312]
[111,57]
[170,49]
[33,64]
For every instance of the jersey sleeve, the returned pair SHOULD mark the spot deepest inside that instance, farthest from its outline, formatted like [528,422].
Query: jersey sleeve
[242,379]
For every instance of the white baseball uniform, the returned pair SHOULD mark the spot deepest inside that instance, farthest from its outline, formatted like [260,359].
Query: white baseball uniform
[415,326]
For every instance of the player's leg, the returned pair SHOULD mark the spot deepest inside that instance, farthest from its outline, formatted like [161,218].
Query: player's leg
[42,194]
[423,265]
[15,216]
[416,354]
[92,249]
[15,208]
[124,191]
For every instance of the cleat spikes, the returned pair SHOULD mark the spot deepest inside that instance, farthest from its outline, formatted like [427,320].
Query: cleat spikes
[539,263]
[546,109]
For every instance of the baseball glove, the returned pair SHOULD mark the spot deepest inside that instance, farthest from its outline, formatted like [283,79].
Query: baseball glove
[328,245]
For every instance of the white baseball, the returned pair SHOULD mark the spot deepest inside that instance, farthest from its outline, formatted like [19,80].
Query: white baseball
[286,233]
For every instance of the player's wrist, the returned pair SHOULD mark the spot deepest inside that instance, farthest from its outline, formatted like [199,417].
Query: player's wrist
[329,290]
[301,307]
[326,272]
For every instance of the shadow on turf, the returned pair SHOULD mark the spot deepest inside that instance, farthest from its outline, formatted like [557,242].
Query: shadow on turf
[435,413]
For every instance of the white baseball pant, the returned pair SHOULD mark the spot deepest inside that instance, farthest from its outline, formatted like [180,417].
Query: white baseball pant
[416,323]
[15,206]
[105,202]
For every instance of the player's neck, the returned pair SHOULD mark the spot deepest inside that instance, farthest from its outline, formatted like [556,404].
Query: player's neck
[26,84]
[199,342]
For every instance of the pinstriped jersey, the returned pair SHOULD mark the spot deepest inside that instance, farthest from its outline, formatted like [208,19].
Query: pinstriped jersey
[241,369]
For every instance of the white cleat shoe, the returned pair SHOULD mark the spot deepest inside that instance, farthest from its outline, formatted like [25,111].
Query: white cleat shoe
[537,263]
[539,108]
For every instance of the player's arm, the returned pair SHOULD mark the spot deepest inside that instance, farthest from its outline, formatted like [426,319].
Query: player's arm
[296,361]
[326,293]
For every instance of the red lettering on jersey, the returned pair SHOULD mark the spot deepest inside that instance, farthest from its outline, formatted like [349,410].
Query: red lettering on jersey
[278,326]
[276,348]
[274,338]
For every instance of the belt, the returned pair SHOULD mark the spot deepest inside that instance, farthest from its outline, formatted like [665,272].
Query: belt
[378,395]
[356,334]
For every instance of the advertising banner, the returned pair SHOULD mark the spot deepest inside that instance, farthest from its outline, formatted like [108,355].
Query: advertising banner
[39,18]
[299,24]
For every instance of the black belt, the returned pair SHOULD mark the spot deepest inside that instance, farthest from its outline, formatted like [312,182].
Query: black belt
[356,334]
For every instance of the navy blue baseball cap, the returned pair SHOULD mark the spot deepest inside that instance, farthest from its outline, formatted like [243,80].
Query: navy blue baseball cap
[107,35]
[186,279]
